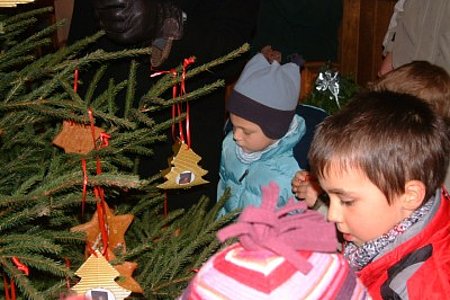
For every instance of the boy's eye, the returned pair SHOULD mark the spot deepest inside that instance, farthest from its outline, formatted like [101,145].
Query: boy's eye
[347,202]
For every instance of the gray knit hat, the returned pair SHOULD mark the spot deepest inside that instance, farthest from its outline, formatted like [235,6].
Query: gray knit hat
[266,94]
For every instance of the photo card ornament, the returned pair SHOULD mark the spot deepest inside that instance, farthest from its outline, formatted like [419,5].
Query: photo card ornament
[184,171]
[98,280]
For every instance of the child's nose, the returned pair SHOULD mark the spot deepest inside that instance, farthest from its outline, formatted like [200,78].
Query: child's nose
[334,211]
[236,135]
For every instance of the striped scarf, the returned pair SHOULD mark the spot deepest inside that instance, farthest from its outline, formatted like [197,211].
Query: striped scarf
[359,257]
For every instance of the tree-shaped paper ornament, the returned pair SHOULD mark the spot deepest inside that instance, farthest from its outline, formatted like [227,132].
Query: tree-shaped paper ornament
[97,280]
[11,3]
[184,171]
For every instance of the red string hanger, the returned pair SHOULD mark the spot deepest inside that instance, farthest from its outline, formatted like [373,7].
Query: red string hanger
[179,90]
[98,190]
[10,288]
[184,171]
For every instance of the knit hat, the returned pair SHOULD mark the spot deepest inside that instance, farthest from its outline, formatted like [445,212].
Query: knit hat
[267,95]
[289,253]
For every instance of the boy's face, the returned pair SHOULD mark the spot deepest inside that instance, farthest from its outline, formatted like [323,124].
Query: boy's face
[249,135]
[358,207]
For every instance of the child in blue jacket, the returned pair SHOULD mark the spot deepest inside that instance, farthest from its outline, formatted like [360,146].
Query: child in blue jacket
[265,130]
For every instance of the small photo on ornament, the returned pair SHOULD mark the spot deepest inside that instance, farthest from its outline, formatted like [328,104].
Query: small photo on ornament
[100,294]
[185,177]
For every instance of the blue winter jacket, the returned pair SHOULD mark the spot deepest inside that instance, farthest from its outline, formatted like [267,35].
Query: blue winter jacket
[276,163]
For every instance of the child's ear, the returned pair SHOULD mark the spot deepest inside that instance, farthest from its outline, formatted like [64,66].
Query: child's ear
[414,195]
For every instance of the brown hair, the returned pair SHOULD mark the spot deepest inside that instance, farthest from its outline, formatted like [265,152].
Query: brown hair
[421,79]
[391,137]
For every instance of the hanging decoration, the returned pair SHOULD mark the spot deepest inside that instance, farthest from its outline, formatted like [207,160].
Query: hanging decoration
[98,280]
[329,80]
[105,232]
[116,226]
[76,138]
[11,3]
[183,171]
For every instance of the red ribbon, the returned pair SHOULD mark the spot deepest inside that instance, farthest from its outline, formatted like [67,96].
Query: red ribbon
[6,288]
[10,293]
[186,63]
[98,191]
[75,80]
[177,109]
[85,182]
[67,263]
[83,161]
[20,266]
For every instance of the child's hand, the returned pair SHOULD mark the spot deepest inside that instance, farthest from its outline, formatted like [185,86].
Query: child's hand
[306,188]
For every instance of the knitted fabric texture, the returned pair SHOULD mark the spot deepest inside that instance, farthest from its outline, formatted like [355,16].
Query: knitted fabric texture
[267,95]
[289,253]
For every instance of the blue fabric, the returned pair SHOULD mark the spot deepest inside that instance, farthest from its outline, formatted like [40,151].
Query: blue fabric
[313,116]
[245,179]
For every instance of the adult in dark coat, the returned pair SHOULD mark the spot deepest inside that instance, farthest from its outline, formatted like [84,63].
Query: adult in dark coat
[206,29]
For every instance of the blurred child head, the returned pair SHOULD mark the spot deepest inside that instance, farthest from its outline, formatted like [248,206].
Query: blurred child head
[289,253]
[379,159]
[421,79]
[263,102]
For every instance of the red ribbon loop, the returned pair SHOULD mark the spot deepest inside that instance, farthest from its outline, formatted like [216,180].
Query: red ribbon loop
[20,266]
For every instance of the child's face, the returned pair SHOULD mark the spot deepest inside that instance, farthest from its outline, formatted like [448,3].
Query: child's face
[358,207]
[249,135]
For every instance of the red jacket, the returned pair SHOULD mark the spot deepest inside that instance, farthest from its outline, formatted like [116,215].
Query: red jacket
[418,268]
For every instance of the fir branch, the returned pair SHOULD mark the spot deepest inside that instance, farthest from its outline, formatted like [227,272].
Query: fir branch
[27,15]
[206,89]
[88,96]
[221,60]
[167,81]
[15,61]
[129,99]
[17,244]
[22,282]
[42,263]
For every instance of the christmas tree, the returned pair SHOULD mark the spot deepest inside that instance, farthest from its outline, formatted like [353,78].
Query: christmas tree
[44,189]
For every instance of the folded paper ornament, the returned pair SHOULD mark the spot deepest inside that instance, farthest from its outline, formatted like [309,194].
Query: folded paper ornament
[184,171]
[98,280]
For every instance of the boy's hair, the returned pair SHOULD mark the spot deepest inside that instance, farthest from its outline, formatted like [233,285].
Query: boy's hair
[421,79]
[391,137]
